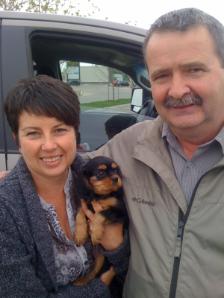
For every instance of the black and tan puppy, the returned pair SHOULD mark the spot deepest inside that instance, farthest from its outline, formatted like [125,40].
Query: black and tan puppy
[101,183]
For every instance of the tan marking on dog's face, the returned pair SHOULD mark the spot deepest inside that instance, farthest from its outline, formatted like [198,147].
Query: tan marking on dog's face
[108,202]
[104,186]
[101,187]
[116,185]
[93,179]
[102,167]
[114,165]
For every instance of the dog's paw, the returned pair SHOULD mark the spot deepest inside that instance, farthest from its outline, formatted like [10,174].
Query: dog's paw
[97,234]
[97,228]
[81,228]
[81,235]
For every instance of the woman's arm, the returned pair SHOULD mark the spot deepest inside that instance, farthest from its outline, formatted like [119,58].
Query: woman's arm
[20,275]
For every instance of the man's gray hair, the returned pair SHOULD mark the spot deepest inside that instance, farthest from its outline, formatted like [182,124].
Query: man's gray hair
[185,19]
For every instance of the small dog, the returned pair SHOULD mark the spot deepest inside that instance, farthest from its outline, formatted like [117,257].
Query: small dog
[101,183]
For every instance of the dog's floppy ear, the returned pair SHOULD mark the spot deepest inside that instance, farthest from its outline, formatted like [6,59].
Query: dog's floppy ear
[84,187]
[86,168]
[84,171]
[86,182]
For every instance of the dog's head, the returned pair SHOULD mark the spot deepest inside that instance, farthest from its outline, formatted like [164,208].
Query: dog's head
[102,175]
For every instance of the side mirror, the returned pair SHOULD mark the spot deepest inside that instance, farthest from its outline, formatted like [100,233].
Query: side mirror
[136,100]
[142,103]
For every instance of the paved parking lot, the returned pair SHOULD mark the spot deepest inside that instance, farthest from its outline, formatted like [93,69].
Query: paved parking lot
[98,92]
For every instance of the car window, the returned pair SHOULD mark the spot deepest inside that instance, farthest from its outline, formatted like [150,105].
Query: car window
[103,92]
[101,71]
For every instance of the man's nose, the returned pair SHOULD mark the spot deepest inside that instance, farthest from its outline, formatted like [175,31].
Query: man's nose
[178,87]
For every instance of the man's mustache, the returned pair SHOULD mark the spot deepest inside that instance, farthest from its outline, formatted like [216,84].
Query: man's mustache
[187,99]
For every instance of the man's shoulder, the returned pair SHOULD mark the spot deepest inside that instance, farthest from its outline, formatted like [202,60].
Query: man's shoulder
[146,124]
[141,129]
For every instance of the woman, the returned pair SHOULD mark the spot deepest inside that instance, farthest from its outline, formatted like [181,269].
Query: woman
[38,256]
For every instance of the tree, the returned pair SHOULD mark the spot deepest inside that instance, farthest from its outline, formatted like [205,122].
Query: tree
[47,6]
[12,4]
[68,7]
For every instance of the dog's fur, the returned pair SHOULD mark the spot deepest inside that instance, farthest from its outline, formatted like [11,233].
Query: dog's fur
[101,183]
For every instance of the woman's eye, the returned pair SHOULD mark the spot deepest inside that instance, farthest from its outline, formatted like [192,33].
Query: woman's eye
[32,133]
[60,130]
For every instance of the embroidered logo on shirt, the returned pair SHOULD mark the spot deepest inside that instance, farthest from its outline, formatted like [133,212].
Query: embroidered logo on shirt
[139,200]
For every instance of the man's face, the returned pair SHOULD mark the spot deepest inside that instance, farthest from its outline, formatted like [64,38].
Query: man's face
[187,80]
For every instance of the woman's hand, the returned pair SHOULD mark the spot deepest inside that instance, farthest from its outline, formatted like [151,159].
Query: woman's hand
[112,236]
[108,276]
[3,174]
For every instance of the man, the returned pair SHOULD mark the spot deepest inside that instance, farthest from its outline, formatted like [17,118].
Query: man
[173,167]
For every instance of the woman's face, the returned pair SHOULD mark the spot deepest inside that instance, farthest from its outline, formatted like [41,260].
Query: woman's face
[47,145]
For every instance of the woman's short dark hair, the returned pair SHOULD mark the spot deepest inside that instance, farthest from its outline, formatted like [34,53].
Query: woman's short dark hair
[185,19]
[42,95]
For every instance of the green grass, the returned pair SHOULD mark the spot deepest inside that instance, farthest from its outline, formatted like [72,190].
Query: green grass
[105,103]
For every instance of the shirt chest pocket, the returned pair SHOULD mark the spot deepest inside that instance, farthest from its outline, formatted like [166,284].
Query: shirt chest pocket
[148,191]
[210,190]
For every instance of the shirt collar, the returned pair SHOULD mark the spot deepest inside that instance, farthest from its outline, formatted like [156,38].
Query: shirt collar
[220,138]
[170,137]
[68,183]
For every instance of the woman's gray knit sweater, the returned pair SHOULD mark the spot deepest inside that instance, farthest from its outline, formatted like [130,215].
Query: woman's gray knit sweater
[27,267]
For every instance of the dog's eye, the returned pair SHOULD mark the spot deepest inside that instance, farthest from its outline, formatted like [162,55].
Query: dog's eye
[100,174]
[116,171]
